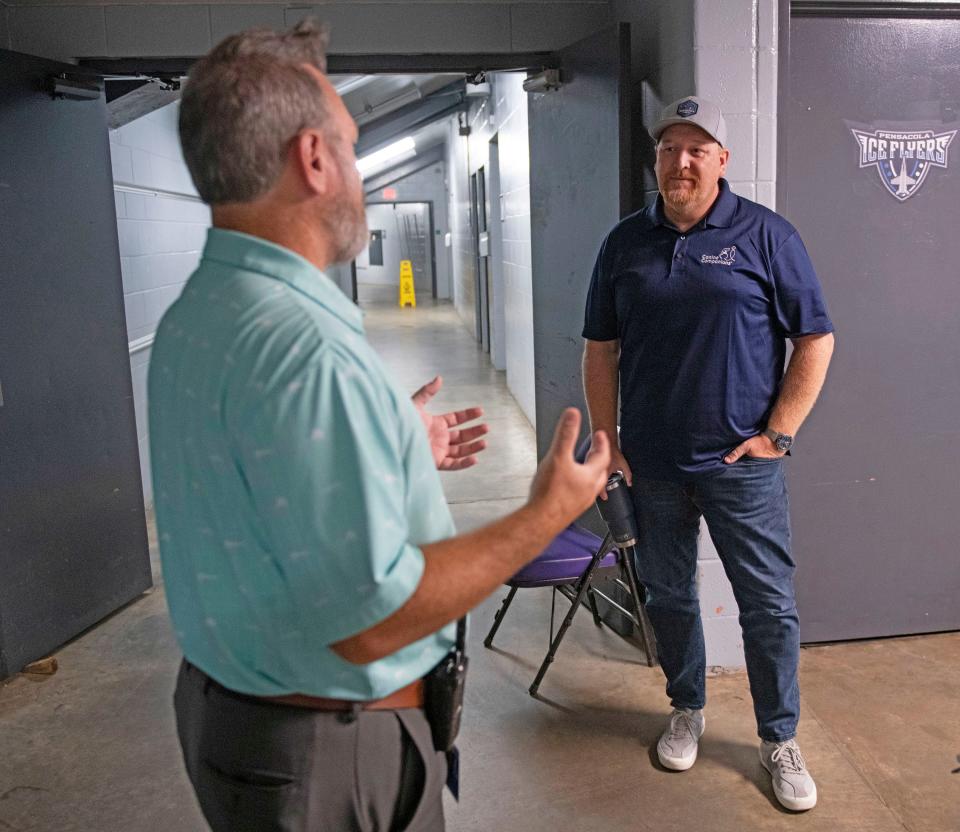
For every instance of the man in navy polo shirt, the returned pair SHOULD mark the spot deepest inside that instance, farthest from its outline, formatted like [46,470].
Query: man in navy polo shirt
[690,305]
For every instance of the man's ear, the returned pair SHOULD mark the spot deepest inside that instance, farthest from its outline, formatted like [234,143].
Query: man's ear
[724,159]
[312,161]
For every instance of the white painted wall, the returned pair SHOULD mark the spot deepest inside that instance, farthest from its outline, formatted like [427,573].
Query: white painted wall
[514,158]
[161,232]
[503,114]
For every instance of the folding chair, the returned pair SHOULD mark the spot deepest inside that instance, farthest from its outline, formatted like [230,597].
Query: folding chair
[569,565]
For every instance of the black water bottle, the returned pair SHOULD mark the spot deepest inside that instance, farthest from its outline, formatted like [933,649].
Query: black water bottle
[617,511]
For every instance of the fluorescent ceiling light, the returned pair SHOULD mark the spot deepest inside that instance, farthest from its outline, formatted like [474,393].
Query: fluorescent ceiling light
[391,153]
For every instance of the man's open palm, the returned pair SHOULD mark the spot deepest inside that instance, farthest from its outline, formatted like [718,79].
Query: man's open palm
[453,448]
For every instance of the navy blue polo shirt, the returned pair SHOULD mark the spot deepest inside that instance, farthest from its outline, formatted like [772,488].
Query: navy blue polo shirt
[702,317]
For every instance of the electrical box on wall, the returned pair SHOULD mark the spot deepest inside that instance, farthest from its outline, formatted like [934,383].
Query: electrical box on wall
[481,90]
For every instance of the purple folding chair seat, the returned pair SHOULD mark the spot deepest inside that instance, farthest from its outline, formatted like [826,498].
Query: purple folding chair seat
[564,561]
[568,565]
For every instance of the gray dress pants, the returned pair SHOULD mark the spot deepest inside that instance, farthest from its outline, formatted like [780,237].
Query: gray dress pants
[262,767]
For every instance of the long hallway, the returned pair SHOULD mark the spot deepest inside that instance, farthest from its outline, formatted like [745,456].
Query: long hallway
[93,747]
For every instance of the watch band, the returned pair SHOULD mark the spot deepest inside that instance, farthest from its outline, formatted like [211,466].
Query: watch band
[783,441]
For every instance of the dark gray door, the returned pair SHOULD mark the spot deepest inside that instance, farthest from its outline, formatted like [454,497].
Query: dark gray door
[580,185]
[870,174]
[73,544]
[478,190]
[376,247]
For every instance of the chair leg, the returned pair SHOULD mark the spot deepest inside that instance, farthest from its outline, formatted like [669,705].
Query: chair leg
[553,613]
[498,618]
[592,598]
[582,588]
[646,630]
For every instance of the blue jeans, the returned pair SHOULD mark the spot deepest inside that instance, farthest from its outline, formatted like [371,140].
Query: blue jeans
[747,514]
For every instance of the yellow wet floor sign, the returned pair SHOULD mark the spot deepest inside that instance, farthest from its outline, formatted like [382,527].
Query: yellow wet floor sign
[407,295]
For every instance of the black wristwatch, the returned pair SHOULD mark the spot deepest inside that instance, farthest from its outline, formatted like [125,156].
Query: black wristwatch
[782,441]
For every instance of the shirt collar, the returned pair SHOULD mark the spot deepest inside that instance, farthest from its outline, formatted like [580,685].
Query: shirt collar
[255,254]
[720,214]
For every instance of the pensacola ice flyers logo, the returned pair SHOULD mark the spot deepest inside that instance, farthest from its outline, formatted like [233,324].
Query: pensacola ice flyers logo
[903,158]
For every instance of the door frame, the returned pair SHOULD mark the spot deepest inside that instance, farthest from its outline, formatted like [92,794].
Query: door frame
[430,234]
[498,351]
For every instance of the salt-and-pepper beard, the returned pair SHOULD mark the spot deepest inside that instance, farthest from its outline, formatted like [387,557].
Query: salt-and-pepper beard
[346,220]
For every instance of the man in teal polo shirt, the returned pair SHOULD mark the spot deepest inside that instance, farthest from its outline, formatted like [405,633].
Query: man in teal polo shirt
[309,557]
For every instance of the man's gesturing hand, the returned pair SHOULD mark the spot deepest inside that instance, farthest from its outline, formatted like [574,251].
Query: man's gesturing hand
[452,449]
[562,486]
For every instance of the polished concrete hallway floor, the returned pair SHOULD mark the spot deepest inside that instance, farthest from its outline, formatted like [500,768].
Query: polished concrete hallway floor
[92,748]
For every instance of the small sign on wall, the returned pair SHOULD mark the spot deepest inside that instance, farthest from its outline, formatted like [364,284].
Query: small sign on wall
[390,193]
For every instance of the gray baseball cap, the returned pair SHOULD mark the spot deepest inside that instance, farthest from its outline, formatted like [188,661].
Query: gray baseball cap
[692,110]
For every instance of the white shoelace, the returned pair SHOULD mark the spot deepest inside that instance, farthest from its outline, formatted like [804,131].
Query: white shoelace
[789,756]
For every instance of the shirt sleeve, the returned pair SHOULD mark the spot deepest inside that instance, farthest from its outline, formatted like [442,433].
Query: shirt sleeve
[322,461]
[798,297]
[600,317]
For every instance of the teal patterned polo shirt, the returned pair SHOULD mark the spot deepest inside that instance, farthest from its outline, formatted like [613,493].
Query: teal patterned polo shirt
[294,483]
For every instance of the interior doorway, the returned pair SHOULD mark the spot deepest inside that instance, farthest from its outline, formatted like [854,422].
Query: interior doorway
[398,231]
[481,241]
[498,322]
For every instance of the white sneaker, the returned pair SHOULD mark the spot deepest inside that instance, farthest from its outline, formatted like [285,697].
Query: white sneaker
[792,783]
[677,747]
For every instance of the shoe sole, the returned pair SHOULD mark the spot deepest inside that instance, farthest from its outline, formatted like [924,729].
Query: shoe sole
[679,763]
[676,763]
[794,804]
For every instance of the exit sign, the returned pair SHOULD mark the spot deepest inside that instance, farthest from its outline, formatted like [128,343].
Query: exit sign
[389,193]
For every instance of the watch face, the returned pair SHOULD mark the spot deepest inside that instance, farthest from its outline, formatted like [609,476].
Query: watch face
[784,442]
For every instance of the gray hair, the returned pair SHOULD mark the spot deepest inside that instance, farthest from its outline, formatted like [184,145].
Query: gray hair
[243,103]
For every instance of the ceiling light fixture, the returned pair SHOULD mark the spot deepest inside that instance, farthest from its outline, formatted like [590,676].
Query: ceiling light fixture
[77,88]
[391,153]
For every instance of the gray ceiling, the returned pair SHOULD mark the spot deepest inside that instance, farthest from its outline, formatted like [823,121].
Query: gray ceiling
[385,107]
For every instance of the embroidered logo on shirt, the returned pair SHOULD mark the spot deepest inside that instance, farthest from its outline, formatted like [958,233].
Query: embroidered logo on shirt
[724,258]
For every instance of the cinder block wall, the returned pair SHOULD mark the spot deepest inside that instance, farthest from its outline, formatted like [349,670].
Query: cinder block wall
[735,59]
[503,114]
[735,64]
[162,226]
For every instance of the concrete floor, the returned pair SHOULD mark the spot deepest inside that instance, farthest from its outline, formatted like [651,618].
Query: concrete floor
[92,748]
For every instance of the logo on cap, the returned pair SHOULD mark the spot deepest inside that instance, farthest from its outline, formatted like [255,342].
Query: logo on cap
[687,108]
